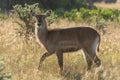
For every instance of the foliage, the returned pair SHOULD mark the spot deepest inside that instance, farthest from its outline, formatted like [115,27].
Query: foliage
[3,16]
[91,15]
[85,14]
[4,75]
[64,4]
[24,14]
[53,17]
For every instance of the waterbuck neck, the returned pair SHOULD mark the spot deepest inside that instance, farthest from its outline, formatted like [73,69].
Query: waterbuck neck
[41,32]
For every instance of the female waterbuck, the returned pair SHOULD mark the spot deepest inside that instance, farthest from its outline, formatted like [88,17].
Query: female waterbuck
[67,40]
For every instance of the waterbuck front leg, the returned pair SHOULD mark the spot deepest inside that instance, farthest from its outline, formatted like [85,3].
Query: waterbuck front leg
[60,60]
[46,54]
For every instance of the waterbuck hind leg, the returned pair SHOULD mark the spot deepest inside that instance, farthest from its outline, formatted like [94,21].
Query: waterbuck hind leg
[46,54]
[91,53]
[60,60]
[88,59]
[97,61]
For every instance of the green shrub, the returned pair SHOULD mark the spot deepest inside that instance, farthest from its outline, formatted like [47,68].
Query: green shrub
[53,17]
[85,13]
[24,14]
[107,14]
[88,14]
[116,14]
[72,15]
[3,16]
[59,12]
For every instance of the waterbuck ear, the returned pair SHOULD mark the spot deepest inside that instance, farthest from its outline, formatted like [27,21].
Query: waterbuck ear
[33,13]
[48,13]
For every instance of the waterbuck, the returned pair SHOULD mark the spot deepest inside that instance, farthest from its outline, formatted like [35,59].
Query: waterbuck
[67,40]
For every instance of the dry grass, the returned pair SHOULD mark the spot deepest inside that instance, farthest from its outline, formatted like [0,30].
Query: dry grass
[21,59]
[109,5]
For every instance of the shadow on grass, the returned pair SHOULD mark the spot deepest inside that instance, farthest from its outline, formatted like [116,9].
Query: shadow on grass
[68,75]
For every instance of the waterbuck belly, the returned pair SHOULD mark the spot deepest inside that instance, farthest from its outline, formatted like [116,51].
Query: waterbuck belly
[69,46]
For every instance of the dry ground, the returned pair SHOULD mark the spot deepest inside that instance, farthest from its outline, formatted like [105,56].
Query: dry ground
[21,59]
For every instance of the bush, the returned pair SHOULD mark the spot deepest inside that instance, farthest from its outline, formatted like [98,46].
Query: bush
[107,14]
[3,16]
[53,17]
[116,14]
[24,14]
[88,14]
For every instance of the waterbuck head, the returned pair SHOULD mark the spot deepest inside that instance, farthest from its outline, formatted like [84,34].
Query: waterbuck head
[40,18]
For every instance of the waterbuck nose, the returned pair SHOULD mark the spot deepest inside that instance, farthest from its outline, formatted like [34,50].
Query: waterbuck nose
[39,24]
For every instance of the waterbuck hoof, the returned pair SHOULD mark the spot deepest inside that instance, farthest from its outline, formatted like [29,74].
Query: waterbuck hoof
[39,67]
[61,72]
[98,63]
[88,69]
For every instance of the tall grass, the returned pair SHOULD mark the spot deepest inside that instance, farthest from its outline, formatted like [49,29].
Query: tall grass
[22,59]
